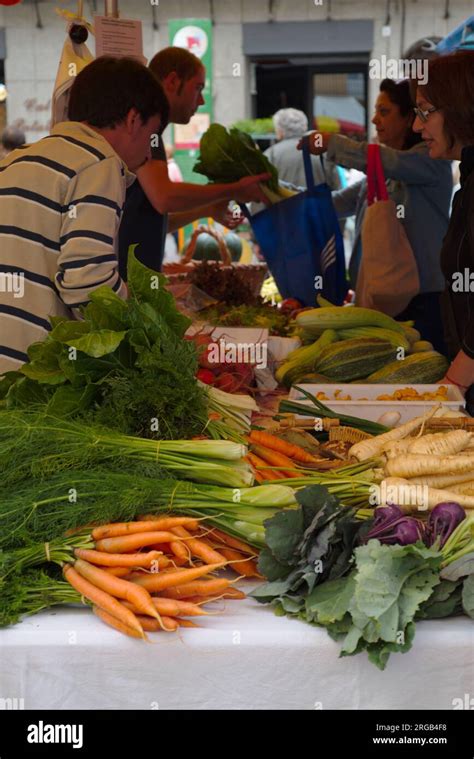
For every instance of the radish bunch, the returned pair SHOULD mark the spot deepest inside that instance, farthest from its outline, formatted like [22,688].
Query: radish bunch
[229,377]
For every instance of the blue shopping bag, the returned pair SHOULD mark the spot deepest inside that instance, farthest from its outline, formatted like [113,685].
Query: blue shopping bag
[301,241]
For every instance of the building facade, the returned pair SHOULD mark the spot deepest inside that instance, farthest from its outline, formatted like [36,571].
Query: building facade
[266,53]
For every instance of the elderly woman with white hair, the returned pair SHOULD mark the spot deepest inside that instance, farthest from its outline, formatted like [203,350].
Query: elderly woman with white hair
[290,125]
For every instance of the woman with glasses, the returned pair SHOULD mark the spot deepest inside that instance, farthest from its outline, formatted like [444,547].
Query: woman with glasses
[445,121]
[420,187]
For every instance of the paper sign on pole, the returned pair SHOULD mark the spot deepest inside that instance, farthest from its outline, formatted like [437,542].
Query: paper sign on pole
[119,37]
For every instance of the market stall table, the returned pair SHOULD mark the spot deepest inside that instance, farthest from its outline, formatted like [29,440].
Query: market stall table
[243,658]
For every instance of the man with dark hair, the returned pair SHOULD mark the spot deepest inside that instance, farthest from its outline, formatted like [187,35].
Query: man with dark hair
[154,196]
[62,200]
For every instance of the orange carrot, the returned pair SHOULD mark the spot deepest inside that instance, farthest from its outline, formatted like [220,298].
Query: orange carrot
[258,475]
[154,583]
[266,473]
[231,594]
[169,624]
[193,522]
[145,573]
[198,548]
[112,621]
[170,607]
[180,550]
[244,567]
[115,586]
[232,542]
[163,563]
[130,528]
[161,547]
[187,623]
[118,571]
[198,588]
[177,562]
[102,599]
[234,593]
[129,543]
[119,559]
[286,465]
[275,443]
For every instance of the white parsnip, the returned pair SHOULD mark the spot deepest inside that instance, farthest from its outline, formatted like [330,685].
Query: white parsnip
[441,496]
[402,493]
[419,464]
[441,443]
[443,480]
[367,449]
[465,488]
[417,498]
[396,447]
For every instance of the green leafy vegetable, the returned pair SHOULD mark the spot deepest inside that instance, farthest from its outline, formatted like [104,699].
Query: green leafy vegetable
[35,445]
[461,567]
[265,317]
[307,546]
[43,509]
[30,593]
[445,601]
[366,596]
[255,126]
[227,156]
[125,365]
[468,596]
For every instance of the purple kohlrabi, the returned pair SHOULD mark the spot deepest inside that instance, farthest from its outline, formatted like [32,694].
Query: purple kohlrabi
[442,522]
[392,527]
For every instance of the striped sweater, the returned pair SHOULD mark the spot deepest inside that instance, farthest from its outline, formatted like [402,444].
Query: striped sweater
[61,202]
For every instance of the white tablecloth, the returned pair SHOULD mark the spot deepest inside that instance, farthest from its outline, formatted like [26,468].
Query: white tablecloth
[243,658]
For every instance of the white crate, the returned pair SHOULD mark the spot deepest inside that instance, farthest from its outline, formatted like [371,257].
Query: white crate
[373,409]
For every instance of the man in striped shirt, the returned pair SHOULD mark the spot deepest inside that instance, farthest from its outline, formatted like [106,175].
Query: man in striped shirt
[61,202]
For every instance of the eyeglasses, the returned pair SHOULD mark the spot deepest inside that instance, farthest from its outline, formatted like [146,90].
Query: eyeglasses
[424,115]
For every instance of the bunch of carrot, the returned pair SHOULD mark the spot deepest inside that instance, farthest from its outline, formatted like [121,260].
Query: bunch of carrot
[153,589]
[275,459]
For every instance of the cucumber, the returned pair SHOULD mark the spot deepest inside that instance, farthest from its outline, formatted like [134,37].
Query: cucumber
[417,369]
[349,360]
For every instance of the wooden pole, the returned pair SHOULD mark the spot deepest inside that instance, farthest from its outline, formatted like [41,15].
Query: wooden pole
[111,9]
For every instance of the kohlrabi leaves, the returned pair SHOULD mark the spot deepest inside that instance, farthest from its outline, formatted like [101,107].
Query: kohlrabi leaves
[468,596]
[366,596]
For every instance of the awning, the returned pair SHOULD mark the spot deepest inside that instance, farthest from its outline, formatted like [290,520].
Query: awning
[313,38]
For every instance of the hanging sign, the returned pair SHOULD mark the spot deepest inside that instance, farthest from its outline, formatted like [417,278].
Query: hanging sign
[195,35]
[119,37]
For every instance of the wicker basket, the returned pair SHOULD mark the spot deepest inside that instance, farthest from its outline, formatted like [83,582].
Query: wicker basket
[252,276]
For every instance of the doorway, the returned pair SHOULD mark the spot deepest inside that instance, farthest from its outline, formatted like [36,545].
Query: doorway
[334,96]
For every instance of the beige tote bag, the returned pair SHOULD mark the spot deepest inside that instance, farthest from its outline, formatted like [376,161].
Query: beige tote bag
[388,275]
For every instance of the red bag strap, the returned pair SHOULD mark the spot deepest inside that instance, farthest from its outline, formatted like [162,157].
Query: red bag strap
[376,187]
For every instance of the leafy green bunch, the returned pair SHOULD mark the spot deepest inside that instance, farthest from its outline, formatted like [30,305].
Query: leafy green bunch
[227,156]
[125,365]
[368,597]
[306,547]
